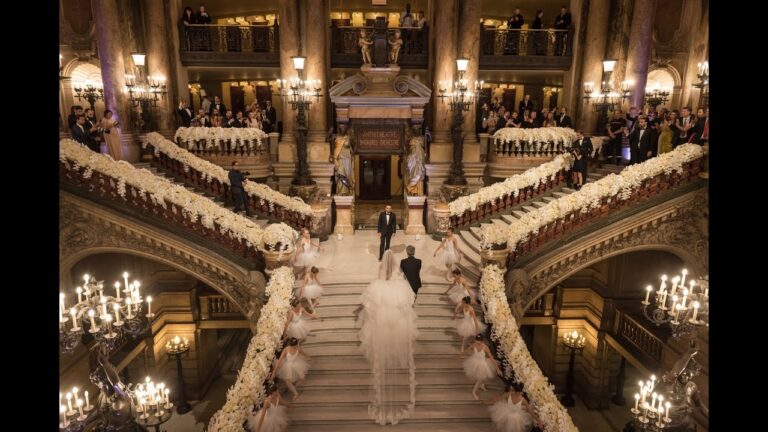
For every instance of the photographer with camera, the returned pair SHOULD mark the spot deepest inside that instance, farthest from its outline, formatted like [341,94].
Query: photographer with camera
[237,181]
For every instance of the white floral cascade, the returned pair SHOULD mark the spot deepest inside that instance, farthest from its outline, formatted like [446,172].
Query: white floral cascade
[511,185]
[213,171]
[277,233]
[497,312]
[536,136]
[248,389]
[160,190]
[214,136]
[591,194]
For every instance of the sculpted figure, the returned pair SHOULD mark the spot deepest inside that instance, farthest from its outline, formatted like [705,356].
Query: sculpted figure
[343,160]
[394,47]
[365,47]
[415,164]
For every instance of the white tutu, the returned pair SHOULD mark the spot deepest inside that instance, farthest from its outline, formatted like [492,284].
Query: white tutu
[448,255]
[312,290]
[510,417]
[294,368]
[306,256]
[457,293]
[466,326]
[275,419]
[297,328]
[478,367]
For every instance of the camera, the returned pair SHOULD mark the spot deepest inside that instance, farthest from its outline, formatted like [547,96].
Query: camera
[246,173]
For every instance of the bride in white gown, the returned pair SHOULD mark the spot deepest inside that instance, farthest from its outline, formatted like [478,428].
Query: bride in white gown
[387,335]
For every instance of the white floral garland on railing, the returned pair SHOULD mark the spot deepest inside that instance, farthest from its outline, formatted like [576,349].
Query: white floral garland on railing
[248,388]
[591,194]
[553,415]
[511,185]
[161,190]
[216,136]
[213,171]
[539,138]
[277,233]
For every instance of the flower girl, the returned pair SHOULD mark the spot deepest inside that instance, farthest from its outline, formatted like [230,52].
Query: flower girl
[511,412]
[272,416]
[305,255]
[468,326]
[480,365]
[291,366]
[296,325]
[460,289]
[311,290]
[451,254]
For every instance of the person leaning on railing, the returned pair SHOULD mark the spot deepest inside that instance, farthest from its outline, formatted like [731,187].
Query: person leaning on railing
[539,37]
[562,22]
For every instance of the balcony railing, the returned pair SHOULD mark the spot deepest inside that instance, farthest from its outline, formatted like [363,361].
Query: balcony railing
[527,49]
[232,44]
[633,332]
[215,307]
[345,47]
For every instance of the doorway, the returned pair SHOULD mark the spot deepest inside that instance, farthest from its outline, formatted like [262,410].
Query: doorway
[374,177]
[237,96]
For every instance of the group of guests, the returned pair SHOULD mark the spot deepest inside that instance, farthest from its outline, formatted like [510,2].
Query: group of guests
[87,130]
[516,22]
[497,116]
[215,114]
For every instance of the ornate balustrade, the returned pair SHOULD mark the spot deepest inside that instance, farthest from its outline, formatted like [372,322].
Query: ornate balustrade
[345,48]
[235,44]
[215,307]
[502,152]
[528,49]
[633,332]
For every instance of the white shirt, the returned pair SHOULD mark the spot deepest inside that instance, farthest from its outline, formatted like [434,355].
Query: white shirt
[640,137]
[387,215]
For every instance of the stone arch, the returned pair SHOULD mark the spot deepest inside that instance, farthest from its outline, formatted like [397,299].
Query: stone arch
[80,71]
[663,74]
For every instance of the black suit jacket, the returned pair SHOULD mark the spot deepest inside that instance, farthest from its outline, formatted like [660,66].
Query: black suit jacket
[80,135]
[221,107]
[642,146]
[586,147]
[382,226]
[523,106]
[272,115]
[564,121]
[186,116]
[236,178]
[562,22]
[411,268]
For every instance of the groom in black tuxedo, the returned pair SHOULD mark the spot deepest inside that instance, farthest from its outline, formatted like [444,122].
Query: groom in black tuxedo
[411,268]
[386,228]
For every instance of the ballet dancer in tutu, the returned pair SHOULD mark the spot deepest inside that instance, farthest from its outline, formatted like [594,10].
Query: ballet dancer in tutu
[305,255]
[511,412]
[311,290]
[460,289]
[468,325]
[450,252]
[291,366]
[272,417]
[296,324]
[480,365]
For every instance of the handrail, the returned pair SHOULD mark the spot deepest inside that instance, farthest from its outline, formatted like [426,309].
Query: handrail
[231,25]
[636,334]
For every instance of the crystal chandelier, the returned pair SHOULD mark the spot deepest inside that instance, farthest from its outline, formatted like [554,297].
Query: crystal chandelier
[683,308]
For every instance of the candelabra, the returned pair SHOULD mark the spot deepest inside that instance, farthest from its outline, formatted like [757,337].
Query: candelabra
[574,342]
[686,311]
[148,395]
[74,418]
[461,99]
[654,96]
[703,74]
[144,92]
[90,91]
[653,416]
[607,98]
[93,314]
[299,94]
[176,347]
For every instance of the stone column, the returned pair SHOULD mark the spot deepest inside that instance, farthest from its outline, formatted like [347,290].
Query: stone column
[180,78]
[638,55]
[158,62]
[444,29]
[289,47]
[107,18]
[469,47]
[316,49]
[594,52]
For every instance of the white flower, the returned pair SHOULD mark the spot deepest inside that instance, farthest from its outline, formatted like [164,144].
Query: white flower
[279,233]
[537,135]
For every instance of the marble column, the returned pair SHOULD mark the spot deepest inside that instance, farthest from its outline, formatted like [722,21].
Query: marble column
[289,47]
[445,70]
[315,68]
[639,52]
[180,77]
[469,47]
[107,19]
[595,43]
[158,62]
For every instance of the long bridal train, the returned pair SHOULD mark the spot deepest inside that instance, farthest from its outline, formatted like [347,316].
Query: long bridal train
[387,335]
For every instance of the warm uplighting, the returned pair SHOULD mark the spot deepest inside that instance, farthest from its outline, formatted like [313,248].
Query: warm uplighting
[144,91]
[574,340]
[177,345]
[298,62]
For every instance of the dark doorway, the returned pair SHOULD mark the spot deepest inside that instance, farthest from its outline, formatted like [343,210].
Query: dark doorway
[553,99]
[263,94]
[237,96]
[509,99]
[374,177]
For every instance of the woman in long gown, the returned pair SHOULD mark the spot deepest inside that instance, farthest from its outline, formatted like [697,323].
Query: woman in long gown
[460,289]
[291,367]
[272,417]
[666,135]
[511,412]
[450,252]
[296,324]
[387,335]
[311,290]
[468,326]
[111,135]
[305,257]
[480,365]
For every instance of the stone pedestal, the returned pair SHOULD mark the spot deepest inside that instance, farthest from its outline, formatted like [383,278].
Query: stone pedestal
[484,139]
[274,137]
[321,219]
[442,221]
[451,192]
[344,214]
[416,215]
[276,259]
[496,255]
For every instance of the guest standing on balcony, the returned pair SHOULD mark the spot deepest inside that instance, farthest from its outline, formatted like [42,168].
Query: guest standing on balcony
[563,120]
[550,121]
[271,117]
[539,37]
[562,22]
[185,114]
[536,119]
[525,104]
[528,122]
[217,105]
[188,17]
[587,150]
[203,18]
[407,20]
[229,120]
[514,25]
[111,135]
[422,20]
[666,133]
[616,127]
[702,123]
[685,126]
[642,141]
[237,182]
[201,119]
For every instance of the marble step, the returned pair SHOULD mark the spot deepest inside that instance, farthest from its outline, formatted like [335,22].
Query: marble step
[329,313]
[518,214]
[528,209]
[337,348]
[356,363]
[359,395]
[549,199]
[442,321]
[427,378]
[476,231]
[333,288]
[568,190]
[538,204]
[478,425]
[468,412]
[331,299]
[509,218]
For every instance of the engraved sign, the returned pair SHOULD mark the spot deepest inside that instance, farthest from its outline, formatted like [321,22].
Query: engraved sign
[379,138]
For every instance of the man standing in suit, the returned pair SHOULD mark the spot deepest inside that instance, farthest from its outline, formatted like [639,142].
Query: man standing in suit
[563,120]
[562,22]
[514,25]
[642,141]
[83,135]
[411,268]
[386,228]
[185,113]
[585,145]
[525,104]
[218,106]
[77,111]
[271,116]
[237,181]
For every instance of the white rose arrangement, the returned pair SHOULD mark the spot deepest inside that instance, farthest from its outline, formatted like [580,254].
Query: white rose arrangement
[215,137]
[520,136]
[278,233]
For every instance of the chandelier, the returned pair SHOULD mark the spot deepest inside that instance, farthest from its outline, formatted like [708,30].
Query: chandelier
[655,96]
[702,73]
[144,91]
[90,91]
[462,96]
[106,318]
[650,412]
[684,309]
[608,96]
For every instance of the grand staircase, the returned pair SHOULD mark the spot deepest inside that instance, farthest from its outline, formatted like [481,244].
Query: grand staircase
[336,392]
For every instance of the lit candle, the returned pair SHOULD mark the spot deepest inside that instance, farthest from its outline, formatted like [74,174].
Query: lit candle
[664,299]
[653,401]
[695,311]
[125,278]
[666,415]
[693,282]
[660,408]
[87,401]
[117,313]
[136,285]
[79,294]
[73,312]
[167,397]
[117,289]
[675,280]
[653,382]
[637,400]
[685,294]
[706,292]
[61,302]
[63,411]
[648,290]
[128,303]
[61,308]
[91,314]
[69,401]
[149,306]
[682,281]
[86,277]
[80,407]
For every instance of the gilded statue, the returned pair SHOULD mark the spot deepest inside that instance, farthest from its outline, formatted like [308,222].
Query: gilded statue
[394,47]
[365,47]
[415,164]
[343,161]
